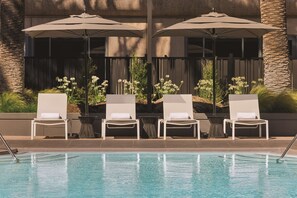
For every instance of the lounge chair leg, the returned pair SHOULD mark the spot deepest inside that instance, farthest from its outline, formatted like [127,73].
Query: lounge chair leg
[103,125]
[159,126]
[198,129]
[224,126]
[260,130]
[138,129]
[164,131]
[233,130]
[32,129]
[267,130]
[194,130]
[66,129]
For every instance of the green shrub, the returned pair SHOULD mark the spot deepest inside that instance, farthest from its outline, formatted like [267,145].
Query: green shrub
[53,90]
[204,87]
[12,102]
[266,98]
[239,85]
[31,100]
[166,86]
[18,102]
[97,92]
[70,88]
[284,102]
[138,71]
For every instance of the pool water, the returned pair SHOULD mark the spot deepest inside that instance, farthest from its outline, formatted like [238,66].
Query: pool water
[147,175]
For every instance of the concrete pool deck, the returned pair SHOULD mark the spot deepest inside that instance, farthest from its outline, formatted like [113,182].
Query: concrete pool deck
[176,144]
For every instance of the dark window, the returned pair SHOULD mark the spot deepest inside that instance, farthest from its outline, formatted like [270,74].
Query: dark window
[67,47]
[251,48]
[224,47]
[228,46]
[41,47]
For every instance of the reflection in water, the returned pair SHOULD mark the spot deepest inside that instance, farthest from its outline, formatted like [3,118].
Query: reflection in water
[147,175]
[119,171]
[49,168]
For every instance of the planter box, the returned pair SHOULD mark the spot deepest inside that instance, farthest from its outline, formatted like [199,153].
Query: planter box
[19,124]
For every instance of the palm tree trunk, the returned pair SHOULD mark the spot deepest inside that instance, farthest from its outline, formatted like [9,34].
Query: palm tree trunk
[12,16]
[277,75]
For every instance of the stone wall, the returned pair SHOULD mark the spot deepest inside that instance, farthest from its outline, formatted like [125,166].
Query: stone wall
[12,45]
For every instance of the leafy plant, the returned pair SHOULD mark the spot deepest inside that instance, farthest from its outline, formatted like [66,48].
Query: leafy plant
[165,86]
[129,87]
[70,88]
[239,85]
[138,82]
[53,90]
[30,98]
[12,102]
[269,102]
[266,98]
[97,92]
[285,102]
[204,87]
[259,82]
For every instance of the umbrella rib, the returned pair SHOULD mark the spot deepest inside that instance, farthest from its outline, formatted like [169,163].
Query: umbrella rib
[71,32]
[206,31]
[221,34]
[234,30]
[36,35]
[105,31]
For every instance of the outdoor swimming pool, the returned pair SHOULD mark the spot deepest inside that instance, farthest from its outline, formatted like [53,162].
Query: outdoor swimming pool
[147,175]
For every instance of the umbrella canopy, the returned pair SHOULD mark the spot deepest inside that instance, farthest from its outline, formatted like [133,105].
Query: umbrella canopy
[216,25]
[83,26]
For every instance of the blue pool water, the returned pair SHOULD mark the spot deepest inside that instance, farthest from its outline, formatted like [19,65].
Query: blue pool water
[147,175]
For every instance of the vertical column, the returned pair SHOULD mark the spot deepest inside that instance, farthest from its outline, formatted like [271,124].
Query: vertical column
[149,53]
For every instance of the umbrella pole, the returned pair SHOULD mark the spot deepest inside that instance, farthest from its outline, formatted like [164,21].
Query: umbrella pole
[214,76]
[86,74]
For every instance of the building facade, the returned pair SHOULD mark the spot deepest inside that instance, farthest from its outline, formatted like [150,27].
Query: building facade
[19,14]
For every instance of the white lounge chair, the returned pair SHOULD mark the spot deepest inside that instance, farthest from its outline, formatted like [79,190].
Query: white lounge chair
[178,111]
[244,111]
[51,110]
[120,113]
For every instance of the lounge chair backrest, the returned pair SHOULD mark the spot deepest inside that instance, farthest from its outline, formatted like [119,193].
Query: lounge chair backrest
[177,103]
[120,104]
[52,103]
[243,103]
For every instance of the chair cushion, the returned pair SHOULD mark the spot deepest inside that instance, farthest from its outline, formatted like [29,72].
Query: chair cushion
[246,115]
[179,116]
[120,116]
[50,116]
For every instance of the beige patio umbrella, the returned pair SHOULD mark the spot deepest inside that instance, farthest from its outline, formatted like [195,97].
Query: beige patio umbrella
[216,25]
[83,26]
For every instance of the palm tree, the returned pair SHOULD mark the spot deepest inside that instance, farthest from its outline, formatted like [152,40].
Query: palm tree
[275,46]
[12,15]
